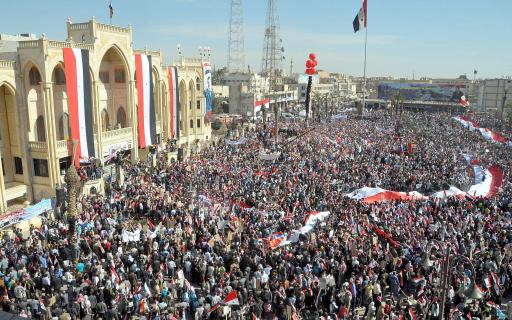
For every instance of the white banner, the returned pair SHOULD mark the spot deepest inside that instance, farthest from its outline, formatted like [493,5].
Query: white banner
[131,236]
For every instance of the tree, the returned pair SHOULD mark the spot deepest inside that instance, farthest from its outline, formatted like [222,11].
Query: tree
[218,76]
[396,103]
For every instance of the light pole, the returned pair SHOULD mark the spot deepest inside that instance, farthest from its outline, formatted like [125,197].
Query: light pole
[449,261]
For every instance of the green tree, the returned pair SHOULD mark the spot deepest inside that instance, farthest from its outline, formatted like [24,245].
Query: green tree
[218,76]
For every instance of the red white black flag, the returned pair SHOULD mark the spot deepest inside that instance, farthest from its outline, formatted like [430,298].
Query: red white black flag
[146,105]
[361,17]
[78,88]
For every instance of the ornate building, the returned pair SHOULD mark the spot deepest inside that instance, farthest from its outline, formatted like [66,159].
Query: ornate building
[35,144]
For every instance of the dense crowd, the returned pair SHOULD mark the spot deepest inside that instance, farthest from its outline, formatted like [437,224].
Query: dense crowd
[197,239]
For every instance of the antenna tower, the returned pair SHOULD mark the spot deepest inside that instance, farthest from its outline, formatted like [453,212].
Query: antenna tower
[236,56]
[272,45]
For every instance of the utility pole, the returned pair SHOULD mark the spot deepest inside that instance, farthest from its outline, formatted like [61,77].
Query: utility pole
[291,67]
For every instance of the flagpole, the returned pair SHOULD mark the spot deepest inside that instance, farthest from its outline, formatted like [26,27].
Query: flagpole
[364,72]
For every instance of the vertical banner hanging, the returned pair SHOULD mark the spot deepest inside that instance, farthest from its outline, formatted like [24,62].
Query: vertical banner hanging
[146,105]
[78,88]
[174,128]
[208,92]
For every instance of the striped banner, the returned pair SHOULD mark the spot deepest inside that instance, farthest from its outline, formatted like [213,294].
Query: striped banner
[174,91]
[78,88]
[146,105]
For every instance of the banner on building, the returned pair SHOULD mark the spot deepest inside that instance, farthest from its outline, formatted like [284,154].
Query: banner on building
[146,105]
[78,88]
[208,92]
[23,214]
[174,91]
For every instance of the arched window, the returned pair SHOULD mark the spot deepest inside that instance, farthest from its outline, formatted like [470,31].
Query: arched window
[191,86]
[59,77]
[121,117]
[40,129]
[34,76]
[105,120]
[198,84]
[64,129]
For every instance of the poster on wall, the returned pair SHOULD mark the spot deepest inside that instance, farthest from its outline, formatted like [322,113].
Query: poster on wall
[208,92]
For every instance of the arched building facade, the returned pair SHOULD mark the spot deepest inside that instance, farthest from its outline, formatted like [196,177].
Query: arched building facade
[35,135]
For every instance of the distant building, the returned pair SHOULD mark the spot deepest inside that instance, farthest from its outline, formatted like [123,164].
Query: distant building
[493,94]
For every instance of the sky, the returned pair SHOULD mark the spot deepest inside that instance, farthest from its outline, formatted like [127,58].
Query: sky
[427,38]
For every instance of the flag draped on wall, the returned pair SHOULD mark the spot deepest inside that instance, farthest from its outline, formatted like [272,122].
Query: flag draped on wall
[361,17]
[208,92]
[174,92]
[78,88]
[146,105]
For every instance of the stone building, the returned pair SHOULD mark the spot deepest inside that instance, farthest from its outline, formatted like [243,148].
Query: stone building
[35,146]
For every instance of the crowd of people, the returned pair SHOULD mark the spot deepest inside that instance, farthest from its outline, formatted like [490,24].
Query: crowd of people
[201,238]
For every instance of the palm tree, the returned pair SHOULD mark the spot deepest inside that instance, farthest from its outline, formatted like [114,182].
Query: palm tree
[397,103]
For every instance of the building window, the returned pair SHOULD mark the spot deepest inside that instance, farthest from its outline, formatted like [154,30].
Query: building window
[121,117]
[198,84]
[198,104]
[181,125]
[119,76]
[40,129]
[34,76]
[41,167]
[59,77]
[104,77]
[18,165]
[191,124]
[190,105]
[198,123]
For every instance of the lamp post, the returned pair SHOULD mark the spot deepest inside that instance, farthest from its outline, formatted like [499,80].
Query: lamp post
[449,261]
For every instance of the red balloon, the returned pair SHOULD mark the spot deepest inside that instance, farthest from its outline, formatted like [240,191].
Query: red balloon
[310,71]
[314,63]
[310,64]
[312,56]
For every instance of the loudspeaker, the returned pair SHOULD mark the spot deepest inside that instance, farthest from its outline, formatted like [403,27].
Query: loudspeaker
[60,194]
[180,154]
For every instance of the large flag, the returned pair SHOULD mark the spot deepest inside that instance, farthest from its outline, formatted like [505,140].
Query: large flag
[146,105]
[361,18]
[174,123]
[78,88]
[208,91]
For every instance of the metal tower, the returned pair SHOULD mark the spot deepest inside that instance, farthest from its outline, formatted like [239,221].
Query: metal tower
[236,55]
[272,45]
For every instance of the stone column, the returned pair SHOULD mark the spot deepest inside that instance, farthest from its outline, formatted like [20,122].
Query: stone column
[3,202]
[132,102]
[99,121]
[51,138]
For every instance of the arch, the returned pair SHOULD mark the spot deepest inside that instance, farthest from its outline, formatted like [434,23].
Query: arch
[58,75]
[117,49]
[64,128]
[114,92]
[34,76]
[40,129]
[198,83]
[183,107]
[121,117]
[29,67]
[105,121]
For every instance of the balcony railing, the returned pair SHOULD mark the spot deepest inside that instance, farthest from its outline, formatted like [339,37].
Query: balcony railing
[111,28]
[38,146]
[115,136]
[79,26]
[7,64]
[29,44]
[63,148]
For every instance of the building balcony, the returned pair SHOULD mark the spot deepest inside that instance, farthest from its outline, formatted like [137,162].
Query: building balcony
[14,190]
[38,146]
[114,140]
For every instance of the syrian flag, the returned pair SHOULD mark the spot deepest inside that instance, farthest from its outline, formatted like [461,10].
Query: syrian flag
[231,299]
[463,101]
[361,18]
[78,88]
[146,104]
[111,9]
[411,313]
[174,127]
